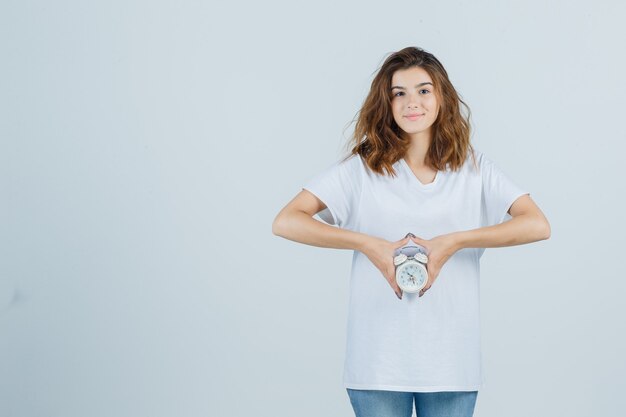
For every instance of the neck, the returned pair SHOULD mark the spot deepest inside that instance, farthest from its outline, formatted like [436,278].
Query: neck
[416,153]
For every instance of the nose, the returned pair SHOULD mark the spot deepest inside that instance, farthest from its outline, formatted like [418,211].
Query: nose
[414,100]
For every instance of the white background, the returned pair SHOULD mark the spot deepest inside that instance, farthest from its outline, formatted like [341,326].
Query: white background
[146,147]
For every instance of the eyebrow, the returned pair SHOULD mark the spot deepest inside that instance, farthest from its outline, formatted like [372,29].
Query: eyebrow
[417,85]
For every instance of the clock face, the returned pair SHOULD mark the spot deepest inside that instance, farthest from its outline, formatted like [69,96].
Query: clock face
[411,277]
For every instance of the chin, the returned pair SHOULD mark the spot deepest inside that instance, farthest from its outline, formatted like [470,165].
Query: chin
[414,130]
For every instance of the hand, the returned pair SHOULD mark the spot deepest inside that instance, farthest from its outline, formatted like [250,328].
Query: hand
[381,252]
[439,249]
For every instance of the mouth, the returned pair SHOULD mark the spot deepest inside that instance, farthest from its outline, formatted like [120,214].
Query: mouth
[414,116]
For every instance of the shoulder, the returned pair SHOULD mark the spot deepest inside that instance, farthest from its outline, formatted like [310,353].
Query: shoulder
[352,165]
[483,162]
[345,171]
[478,164]
[473,164]
[352,161]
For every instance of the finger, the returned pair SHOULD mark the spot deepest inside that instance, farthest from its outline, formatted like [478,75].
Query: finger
[402,242]
[391,278]
[394,286]
[420,240]
[397,290]
[391,274]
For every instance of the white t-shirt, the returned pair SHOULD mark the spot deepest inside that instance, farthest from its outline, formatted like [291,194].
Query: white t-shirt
[417,344]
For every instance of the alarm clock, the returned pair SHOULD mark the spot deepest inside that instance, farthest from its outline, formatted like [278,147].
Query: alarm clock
[410,262]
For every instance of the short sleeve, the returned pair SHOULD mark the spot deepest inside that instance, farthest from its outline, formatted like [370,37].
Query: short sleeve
[339,187]
[499,192]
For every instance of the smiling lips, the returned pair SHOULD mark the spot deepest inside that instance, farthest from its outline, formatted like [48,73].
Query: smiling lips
[414,116]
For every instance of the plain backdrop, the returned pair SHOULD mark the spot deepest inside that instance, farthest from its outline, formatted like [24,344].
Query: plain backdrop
[146,147]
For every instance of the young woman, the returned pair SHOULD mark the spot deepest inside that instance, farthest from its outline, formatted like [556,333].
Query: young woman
[412,175]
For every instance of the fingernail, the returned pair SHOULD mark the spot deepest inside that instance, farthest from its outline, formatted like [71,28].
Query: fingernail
[399,296]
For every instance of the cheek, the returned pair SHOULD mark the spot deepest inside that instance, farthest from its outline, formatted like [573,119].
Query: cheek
[432,102]
[434,108]
[396,108]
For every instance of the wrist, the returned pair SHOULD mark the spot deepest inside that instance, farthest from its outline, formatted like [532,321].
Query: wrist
[364,242]
[458,240]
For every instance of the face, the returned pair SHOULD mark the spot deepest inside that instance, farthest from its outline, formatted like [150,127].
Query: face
[414,103]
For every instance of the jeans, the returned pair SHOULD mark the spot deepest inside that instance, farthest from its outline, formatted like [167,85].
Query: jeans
[375,403]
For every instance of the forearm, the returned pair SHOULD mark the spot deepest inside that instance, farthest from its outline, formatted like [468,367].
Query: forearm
[302,228]
[516,231]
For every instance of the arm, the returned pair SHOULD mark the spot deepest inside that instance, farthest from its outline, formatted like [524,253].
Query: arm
[527,225]
[295,222]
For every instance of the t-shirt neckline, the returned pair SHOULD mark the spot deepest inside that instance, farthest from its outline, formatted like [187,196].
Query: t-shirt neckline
[416,180]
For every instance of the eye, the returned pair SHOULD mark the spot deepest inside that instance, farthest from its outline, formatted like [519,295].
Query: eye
[425,89]
[399,92]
